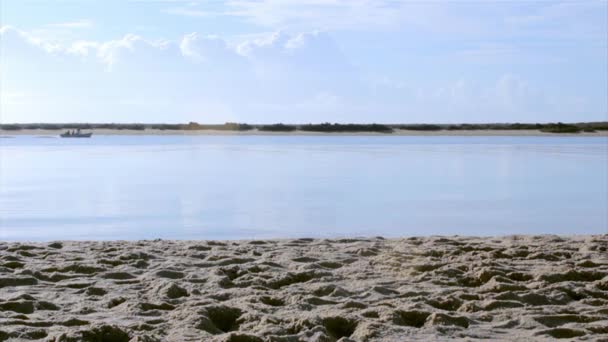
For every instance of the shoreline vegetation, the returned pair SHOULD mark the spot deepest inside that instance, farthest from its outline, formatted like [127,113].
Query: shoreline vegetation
[373,128]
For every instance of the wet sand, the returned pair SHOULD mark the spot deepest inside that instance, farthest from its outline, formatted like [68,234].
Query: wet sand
[398,132]
[427,289]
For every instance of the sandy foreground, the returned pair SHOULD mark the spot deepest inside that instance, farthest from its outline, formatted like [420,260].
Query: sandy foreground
[398,132]
[433,288]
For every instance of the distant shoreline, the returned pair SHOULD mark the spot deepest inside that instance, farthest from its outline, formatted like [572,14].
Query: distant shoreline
[338,129]
[256,132]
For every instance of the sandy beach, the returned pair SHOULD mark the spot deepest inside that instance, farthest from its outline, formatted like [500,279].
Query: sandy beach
[397,132]
[431,288]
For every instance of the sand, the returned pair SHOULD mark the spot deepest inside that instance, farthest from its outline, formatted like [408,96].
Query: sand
[398,132]
[427,289]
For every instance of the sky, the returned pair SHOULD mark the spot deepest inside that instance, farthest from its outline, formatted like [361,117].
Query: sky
[301,61]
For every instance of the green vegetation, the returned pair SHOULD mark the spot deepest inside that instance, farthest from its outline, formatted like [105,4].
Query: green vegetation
[340,128]
[229,126]
[466,127]
[596,126]
[277,128]
[11,127]
[322,128]
[549,127]
[560,128]
[517,126]
[133,127]
[164,127]
[420,127]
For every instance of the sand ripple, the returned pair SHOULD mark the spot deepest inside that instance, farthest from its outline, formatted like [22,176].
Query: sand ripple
[435,288]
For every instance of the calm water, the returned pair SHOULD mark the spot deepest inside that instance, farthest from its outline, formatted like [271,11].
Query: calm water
[233,187]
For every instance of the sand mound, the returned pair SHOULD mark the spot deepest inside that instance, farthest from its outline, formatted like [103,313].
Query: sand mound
[435,288]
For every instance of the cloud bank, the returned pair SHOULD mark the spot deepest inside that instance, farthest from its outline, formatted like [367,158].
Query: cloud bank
[275,77]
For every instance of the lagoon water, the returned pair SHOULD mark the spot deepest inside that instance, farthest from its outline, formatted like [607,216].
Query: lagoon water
[244,187]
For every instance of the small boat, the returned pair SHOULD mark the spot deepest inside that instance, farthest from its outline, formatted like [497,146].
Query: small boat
[76,134]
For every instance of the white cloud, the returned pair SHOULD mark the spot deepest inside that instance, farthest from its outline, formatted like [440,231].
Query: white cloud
[461,20]
[186,46]
[315,49]
[204,48]
[276,70]
[286,77]
[83,48]
[110,52]
[508,98]
[12,35]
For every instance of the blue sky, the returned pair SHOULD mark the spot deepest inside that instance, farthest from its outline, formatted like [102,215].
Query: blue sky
[302,61]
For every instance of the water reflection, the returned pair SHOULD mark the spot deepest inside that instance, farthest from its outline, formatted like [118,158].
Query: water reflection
[121,187]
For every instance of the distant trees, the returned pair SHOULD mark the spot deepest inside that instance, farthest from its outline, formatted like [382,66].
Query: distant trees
[322,127]
[517,126]
[277,128]
[10,127]
[342,128]
[233,126]
[560,128]
[420,127]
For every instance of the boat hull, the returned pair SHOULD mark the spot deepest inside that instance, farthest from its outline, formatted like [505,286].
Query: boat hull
[82,135]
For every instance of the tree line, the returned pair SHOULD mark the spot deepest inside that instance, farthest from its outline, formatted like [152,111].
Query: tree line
[327,127]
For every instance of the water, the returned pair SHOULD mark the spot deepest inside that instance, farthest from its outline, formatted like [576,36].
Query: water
[242,187]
